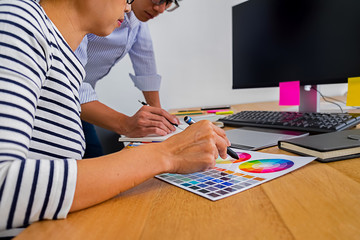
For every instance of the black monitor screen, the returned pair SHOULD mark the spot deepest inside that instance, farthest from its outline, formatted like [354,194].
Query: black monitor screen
[313,41]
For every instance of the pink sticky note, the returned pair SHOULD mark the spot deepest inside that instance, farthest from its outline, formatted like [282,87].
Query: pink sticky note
[289,93]
[217,110]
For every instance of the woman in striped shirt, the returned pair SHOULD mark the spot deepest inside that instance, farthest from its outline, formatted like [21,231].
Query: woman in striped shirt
[41,138]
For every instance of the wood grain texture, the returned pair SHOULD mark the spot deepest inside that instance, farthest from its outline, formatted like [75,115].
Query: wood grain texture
[317,201]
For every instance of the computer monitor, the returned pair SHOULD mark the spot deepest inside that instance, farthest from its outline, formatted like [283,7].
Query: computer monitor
[311,41]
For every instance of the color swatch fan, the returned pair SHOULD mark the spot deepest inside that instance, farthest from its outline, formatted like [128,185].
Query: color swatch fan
[232,176]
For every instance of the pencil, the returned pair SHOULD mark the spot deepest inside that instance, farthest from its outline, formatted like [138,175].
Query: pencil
[174,124]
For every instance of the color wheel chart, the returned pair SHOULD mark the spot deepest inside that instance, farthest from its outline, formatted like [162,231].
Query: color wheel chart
[266,165]
[232,176]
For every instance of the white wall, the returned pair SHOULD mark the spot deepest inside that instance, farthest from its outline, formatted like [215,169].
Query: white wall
[193,53]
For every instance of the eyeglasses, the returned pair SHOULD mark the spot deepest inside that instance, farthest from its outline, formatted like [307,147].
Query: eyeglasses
[169,6]
[129,1]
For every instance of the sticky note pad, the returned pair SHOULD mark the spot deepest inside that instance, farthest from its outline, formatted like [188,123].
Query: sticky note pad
[353,95]
[224,112]
[289,93]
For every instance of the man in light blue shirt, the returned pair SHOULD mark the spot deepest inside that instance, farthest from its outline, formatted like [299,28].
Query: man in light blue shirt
[100,54]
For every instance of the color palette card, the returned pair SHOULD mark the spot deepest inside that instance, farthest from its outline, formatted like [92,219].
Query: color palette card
[232,176]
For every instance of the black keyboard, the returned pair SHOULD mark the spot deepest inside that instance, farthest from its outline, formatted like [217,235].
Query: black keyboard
[297,121]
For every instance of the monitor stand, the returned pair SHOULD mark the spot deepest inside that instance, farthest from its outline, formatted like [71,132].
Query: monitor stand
[309,99]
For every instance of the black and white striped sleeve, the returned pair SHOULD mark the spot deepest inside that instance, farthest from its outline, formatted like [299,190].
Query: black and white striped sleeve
[30,189]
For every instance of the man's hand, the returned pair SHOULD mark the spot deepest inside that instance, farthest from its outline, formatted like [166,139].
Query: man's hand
[149,120]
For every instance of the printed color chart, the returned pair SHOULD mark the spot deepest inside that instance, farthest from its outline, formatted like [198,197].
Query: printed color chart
[232,176]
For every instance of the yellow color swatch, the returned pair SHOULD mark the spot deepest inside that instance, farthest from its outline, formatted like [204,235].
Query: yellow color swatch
[353,94]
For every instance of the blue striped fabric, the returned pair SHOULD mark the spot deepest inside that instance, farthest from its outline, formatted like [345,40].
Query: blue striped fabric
[41,134]
[100,54]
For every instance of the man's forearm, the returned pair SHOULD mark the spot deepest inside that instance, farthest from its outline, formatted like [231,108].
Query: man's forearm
[152,98]
[103,116]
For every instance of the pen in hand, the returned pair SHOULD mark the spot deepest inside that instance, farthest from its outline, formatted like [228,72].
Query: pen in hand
[230,152]
[143,103]
[174,124]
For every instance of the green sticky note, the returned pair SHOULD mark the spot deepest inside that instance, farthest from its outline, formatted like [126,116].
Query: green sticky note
[353,94]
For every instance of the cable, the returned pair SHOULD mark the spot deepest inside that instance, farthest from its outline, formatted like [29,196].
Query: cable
[342,111]
[337,100]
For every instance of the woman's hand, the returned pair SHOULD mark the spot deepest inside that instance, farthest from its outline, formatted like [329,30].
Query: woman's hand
[196,148]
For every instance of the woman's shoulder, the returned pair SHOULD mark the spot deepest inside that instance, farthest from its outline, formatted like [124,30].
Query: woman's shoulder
[23,15]
[23,9]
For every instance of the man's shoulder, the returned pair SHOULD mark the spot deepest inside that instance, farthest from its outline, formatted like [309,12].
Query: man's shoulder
[131,20]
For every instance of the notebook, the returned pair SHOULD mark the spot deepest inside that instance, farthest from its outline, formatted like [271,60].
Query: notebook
[326,147]
[152,137]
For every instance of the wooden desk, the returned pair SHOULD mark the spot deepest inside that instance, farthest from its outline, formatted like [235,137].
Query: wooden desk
[318,201]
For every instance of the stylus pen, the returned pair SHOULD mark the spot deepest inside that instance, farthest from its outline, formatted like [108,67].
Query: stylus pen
[231,153]
[174,124]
